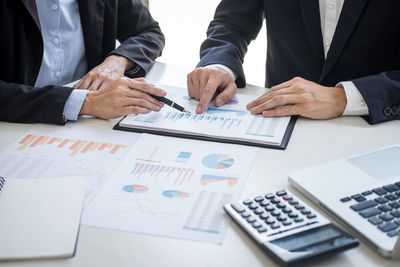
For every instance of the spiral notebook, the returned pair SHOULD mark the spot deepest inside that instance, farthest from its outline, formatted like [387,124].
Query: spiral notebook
[40,217]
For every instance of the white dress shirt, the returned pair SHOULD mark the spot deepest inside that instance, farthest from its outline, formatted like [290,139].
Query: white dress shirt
[64,58]
[330,12]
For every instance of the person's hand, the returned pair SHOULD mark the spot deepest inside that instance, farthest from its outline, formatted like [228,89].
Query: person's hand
[123,97]
[102,76]
[300,97]
[206,83]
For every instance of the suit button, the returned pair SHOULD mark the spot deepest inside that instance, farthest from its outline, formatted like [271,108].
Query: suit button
[387,111]
[394,110]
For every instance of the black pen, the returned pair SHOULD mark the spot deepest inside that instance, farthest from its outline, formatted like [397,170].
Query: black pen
[170,103]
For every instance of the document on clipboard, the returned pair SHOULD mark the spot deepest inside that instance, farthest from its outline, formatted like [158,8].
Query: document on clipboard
[230,123]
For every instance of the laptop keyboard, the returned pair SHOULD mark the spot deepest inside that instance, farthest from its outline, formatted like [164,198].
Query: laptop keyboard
[380,206]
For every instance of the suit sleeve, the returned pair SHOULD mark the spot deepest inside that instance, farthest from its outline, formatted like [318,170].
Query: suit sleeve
[140,35]
[382,94]
[236,23]
[27,104]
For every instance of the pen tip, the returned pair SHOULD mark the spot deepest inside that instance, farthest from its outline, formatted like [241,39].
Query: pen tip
[186,111]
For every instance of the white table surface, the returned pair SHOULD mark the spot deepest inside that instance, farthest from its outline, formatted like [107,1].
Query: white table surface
[311,142]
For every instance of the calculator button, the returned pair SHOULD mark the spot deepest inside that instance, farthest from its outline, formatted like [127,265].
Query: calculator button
[385,208]
[269,196]
[379,191]
[363,205]
[299,206]
[275,226]
[386,227]
[397,222]
[391,187]
[281,193]
[281,218]
[258,198]
[251,219]
[293,214]
[264,215]
[391,197]
[370,212]
[245,214]
[256,224]
[247,201]
[275,213]
[396,213]
[262,229]
[395,204]
[269,208]
[258,210]
[358,198]
[293,202]
[287,197]
[305,211]
[280,205]
[381,200]
[238,208]
[287,210]
[253,206]
[366,193]
[311,216]
[286,223]
[269,221]
[386,217]
[298,219]
[375,220]
[264,203]
[275,200]
[345,199]
[393,233]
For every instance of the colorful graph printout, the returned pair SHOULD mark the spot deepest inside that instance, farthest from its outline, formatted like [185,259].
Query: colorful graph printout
[218,161]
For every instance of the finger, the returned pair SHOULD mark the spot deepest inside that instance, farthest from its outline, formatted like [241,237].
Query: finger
[78,84]
[275,102]
[86,83]
[190,86]
[196,84]
[141,102]
[141,79]
[145,87]
[139,94]
[134,110]
[269,95]
[95,84]
[284,84]
[288,110]
[226,95]
[206,96]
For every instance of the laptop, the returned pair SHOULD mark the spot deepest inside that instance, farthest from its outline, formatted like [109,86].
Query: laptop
[363,191]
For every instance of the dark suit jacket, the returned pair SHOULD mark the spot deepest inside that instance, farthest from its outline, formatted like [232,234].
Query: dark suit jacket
[21,51]
[365,48]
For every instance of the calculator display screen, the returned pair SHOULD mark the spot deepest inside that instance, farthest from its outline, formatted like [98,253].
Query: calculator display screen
[307,238]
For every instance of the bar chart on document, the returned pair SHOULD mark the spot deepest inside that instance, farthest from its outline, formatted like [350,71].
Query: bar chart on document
[173,187]
[66,151]
[232,119]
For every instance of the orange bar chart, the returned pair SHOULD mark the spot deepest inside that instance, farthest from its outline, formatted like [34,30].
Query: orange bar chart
[32,141]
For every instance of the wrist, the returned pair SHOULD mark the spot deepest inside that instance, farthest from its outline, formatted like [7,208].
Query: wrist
[123,61]
[87,104]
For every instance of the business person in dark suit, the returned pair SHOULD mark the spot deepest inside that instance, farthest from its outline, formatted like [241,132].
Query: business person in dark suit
[325,58]
[45,44]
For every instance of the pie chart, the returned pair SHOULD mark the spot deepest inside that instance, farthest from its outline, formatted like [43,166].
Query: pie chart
[135,188]
[218,161]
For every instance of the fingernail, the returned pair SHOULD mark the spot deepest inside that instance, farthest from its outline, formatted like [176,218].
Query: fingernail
[218,102]
[163,93]
[158,108]
[198,109]
[161,104]
[253,111]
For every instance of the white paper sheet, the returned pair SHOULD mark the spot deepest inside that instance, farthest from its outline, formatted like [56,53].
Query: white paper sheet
[71,150]
[232,120]
[173,187]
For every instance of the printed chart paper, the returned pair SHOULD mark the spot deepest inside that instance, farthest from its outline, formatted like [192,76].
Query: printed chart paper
[173,187]
[231,121]
[72,150]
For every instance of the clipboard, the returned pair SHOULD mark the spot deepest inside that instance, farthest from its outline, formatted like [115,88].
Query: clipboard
[282,146]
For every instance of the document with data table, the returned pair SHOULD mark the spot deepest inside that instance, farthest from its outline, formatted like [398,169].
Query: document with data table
[173,187]
[230,123]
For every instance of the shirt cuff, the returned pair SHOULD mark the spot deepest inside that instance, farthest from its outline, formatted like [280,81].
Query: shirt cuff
[356,105]
[225,68]
[74,104]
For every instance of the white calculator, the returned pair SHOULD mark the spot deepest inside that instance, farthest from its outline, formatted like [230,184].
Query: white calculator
[288,229]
